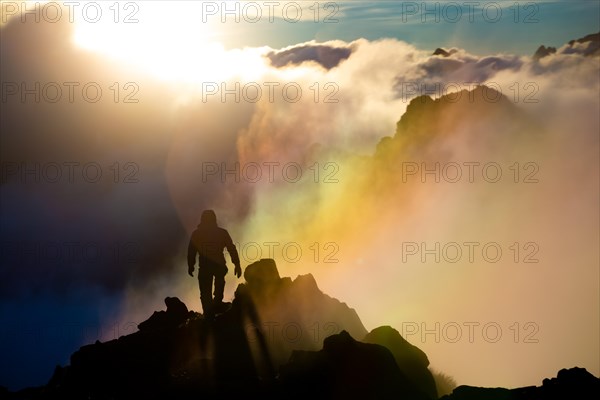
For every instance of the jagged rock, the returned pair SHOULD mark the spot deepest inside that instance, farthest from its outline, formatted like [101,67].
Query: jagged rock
[176,307]
[184,360]
[543,51]
[411,360]
[465,392]
[422,110]
[306,284]
[231,358]
[593,44]
[177,312]
[262,274]
[468,113]
[425,116]
[178,354]
[298,314]
[588,45]
[571,383]
[592,37]
[574,383]
[441,52]
[346,369]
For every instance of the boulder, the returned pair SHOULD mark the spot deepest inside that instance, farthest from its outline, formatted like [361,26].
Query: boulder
[411,360]
[346,369]
[177,312]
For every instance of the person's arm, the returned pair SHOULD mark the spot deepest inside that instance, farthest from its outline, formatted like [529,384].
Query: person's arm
[191,257]
[235,258]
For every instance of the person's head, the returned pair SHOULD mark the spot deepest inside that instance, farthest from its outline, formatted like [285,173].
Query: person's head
[208,218]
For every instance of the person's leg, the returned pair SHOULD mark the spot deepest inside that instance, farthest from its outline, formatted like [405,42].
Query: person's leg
[220,272]
[205,281]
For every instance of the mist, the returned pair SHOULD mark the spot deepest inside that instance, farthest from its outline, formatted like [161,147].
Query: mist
[325,184]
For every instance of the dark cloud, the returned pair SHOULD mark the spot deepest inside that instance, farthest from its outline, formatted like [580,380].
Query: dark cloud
[436,66]
[458,68]
[477,68]
[326,56]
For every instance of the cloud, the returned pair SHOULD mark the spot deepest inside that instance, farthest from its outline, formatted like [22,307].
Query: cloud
[150,149]
[546,117]
[366,210]
[326,56]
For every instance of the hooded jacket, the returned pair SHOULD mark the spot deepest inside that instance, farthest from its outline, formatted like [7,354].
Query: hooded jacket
[208,242]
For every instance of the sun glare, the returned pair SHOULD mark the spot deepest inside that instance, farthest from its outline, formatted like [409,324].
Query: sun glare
[167,41]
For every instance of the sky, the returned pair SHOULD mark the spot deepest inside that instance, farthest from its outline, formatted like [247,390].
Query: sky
[478,241]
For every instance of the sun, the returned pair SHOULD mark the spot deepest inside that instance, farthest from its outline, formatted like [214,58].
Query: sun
[166,39]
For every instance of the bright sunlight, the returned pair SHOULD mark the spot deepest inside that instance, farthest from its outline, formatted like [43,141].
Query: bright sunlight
[165,42]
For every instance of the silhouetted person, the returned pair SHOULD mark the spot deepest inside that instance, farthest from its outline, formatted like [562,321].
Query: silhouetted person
[208,242]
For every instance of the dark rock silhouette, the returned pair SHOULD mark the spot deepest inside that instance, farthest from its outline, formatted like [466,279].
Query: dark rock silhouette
[573,383]
[177,313]
[466,112]
[441,52]
[172,357]
[347,369]
[262,274]
[592,37]
[591,48]
[411,360]
[178,354]
[296,314]
[444,383]
[543,51]
[593,44]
